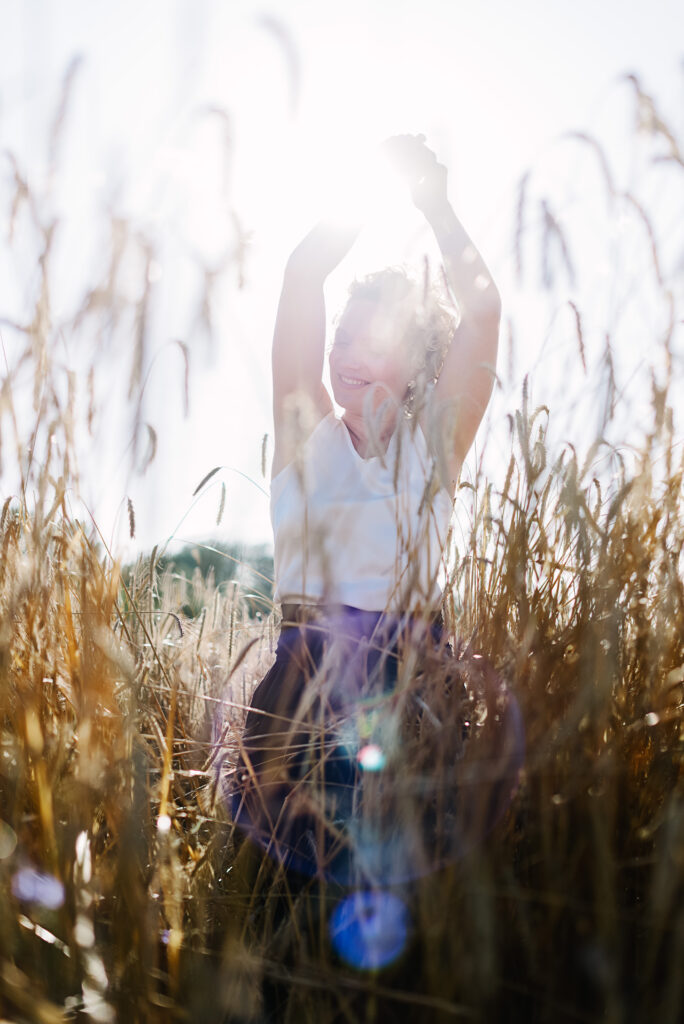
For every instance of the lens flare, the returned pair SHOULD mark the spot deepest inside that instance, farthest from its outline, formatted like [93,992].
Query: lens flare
[369,929]
[31,886]
[371,758]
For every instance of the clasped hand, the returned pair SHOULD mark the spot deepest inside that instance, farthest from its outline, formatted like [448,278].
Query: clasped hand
[418,165]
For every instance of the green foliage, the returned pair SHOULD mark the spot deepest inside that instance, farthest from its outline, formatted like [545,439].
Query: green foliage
[220,566]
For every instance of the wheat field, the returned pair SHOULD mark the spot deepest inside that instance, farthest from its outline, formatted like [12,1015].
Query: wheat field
[127,892]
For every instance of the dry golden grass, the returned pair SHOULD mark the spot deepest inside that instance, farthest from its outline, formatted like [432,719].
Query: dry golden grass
[126,893]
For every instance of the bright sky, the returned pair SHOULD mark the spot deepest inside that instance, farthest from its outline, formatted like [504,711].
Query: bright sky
[187,114]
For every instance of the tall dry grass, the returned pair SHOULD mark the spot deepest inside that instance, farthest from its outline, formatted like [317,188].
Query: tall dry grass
[126,892]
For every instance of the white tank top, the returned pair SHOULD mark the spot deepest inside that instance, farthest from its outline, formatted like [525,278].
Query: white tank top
[364,532]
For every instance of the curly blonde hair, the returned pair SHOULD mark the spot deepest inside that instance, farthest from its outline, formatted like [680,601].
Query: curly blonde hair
[428,324]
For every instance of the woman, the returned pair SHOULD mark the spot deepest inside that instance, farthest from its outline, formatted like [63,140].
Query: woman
[360,507]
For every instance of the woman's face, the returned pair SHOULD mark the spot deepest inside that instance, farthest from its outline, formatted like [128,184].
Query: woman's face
[369,356]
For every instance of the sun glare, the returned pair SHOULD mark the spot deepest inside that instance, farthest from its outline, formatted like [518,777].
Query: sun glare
[363,186]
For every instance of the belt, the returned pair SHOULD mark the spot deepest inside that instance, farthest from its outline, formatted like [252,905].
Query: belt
[294,614]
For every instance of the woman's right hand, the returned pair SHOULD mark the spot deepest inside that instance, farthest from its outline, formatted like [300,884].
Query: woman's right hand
[418,165]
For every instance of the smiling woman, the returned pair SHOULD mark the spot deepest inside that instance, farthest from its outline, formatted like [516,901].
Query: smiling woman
[370,358]
[392,333]
[360,506]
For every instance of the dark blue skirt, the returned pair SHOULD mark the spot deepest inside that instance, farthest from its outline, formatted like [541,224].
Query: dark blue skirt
[310,732]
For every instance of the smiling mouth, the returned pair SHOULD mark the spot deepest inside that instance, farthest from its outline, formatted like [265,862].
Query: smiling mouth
[352,382]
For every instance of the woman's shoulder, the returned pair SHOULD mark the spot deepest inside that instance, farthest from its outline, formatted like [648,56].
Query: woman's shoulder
[321,434]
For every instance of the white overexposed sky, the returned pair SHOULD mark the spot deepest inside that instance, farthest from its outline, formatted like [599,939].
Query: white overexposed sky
[204,122]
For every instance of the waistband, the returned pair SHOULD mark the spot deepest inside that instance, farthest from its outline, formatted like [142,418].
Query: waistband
[294,613]
[360,621]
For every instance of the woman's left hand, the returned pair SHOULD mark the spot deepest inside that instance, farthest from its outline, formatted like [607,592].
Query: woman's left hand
[426,178]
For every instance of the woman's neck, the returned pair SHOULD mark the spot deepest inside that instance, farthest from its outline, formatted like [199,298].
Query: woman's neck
[361,437]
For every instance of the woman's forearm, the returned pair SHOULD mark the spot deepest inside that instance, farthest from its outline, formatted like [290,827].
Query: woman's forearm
[321,250]
[298,351]
[469,278]
[468,275]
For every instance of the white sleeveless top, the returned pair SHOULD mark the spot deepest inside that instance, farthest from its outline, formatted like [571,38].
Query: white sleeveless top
[364,532]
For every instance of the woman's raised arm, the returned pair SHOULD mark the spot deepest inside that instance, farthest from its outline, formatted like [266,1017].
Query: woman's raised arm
[466,380]
[300,399]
